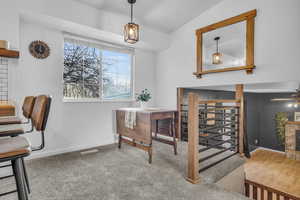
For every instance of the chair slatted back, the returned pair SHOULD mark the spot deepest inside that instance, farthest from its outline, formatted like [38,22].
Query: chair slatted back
[40,112]
[46,113]
[28,105]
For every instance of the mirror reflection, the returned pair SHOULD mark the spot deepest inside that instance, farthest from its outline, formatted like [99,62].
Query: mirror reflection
[225,47]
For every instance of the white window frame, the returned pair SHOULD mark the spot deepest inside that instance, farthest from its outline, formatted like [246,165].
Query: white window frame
[107,46]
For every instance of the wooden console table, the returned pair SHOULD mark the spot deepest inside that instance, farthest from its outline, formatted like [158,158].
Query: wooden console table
[141,135]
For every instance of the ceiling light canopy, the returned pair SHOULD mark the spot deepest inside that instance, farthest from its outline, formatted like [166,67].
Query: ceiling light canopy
[131,30]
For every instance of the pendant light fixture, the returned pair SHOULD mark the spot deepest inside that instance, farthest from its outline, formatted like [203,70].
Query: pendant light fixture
[216,57]
[131,30]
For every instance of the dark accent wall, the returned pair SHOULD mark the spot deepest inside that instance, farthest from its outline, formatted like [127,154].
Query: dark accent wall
[253,108]
[268,109]
[260,114]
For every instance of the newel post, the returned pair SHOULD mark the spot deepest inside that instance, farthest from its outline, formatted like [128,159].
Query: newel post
[193,139]
[239,96]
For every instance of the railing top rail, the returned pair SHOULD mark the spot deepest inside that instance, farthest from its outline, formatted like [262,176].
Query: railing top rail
[202,101]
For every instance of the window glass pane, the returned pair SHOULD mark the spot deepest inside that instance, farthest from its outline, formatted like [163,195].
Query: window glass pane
[91,91]
[91,73]
[116,75]
[73,60]
[73,91]
[81,71]
[91,66]
[95,71]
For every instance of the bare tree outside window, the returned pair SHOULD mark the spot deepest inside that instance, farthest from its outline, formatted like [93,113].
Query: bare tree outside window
[94,73]
[116,75]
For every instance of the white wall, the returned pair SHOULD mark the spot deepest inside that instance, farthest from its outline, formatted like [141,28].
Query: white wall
[72,126]
[277,48]
[9,22]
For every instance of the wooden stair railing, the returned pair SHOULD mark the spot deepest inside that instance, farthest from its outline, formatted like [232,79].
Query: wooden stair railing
[258,191]
[194,101]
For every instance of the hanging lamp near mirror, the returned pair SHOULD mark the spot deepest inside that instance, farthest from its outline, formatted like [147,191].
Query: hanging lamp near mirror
[216,57]
[131,30]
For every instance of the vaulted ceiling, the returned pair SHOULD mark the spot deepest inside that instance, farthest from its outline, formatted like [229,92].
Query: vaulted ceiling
[163,15]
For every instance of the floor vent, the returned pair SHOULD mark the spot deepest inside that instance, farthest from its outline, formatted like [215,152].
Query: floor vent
[91,151]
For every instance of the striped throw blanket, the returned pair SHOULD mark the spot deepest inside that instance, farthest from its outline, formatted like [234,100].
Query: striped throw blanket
[130,119]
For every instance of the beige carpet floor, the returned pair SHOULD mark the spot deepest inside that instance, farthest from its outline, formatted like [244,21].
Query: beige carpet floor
[113,174]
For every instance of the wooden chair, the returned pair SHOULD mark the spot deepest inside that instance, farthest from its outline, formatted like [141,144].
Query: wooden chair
[27,110]
[39,117]
[14,149]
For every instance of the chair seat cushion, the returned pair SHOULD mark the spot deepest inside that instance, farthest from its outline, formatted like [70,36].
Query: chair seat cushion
[6,109]
[10,120]
[14,146]
[11,130]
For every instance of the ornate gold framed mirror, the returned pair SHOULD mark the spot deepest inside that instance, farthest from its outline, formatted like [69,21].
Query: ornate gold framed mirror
[227,45]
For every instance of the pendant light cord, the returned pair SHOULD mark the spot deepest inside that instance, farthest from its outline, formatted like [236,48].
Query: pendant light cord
[131,13]
[217,46]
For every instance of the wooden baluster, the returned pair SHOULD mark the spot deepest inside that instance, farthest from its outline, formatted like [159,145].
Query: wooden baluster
[193,139]
[270,195]
[247,189]
[262,193]
[254,192]
[277,196]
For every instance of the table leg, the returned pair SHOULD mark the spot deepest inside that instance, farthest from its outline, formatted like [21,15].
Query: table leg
[150,154]
[156,128]
[120,141]
[174,135]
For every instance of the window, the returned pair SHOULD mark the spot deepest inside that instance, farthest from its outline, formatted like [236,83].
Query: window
[94,71]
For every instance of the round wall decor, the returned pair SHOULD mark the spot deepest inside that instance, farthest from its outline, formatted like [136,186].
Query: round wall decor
[39,49]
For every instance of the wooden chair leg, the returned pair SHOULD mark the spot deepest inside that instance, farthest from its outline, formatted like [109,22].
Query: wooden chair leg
[18,173]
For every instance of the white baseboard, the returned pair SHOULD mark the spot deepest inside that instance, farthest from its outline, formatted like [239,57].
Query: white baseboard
[47,153]
[267,149]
